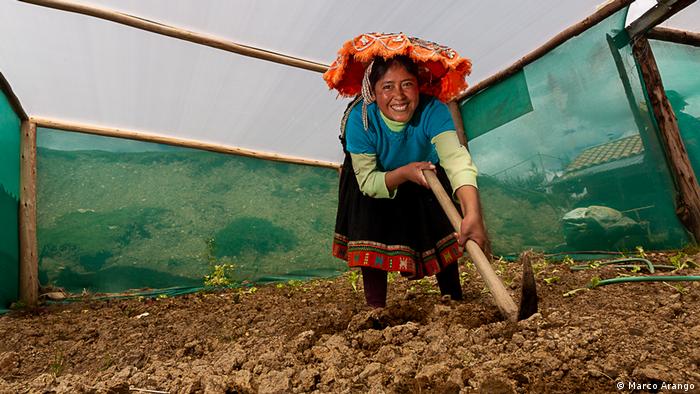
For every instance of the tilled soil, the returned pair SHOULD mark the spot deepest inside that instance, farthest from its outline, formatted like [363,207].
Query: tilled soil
[319,336]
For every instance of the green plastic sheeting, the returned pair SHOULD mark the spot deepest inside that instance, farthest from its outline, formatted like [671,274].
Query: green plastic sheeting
[497,106]
[9,203]
[679,66]
[115,215]
[583,169]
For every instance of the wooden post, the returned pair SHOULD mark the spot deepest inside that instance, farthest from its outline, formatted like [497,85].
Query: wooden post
[459,125]
[688,199]
[183,34]
[28,259]
[162,139]
[674,35]
[573,31]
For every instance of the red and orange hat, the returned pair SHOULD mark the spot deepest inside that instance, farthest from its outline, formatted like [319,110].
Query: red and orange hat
[442,71]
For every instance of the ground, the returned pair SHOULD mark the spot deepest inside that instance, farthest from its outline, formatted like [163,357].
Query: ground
[319,337]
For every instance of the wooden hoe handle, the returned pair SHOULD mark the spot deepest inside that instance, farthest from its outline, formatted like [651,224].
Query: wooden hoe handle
[503,300]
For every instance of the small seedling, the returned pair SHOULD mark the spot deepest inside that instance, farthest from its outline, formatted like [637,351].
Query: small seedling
[551,279]
[392,276]
[539,266]
[107,361]
[640,252]
[595,264]
[219,276]
[57,364]
[595,281]
[681,261]
[353,277]
[567,260]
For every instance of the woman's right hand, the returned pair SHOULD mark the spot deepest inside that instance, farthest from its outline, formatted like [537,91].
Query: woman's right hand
[411,172]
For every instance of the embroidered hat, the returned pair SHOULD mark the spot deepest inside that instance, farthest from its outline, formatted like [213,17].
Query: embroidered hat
[441,71]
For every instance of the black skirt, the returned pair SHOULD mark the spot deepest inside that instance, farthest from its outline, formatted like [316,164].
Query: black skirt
[409,233]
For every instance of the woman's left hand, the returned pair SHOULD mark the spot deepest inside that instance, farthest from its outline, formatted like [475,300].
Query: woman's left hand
[472,225]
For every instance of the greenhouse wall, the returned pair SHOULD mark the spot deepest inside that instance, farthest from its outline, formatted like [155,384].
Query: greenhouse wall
[679,66]
[569,156]
[116,215]
[9,202]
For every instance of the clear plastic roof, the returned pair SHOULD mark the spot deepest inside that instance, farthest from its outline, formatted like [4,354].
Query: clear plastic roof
[78,68]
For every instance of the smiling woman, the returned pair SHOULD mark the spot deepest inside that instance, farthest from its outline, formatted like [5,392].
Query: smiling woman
[387,217]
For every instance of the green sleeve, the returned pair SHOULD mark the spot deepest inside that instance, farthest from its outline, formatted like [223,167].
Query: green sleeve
[455,159]
[370,179]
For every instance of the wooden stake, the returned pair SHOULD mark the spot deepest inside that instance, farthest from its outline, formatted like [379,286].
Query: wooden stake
[187,35]
[161,139]
[609,9]
[28,259]
[459,125]
[688,199]
[674,35]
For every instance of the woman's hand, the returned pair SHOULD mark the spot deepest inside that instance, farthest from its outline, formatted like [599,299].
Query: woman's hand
[411,172]
[472,225]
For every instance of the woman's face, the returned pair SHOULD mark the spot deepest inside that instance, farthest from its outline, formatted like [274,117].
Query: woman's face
[397,93]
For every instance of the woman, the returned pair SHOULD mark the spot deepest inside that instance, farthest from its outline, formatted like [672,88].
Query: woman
[388,219]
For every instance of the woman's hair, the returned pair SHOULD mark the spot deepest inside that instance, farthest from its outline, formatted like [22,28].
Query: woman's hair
[381,66]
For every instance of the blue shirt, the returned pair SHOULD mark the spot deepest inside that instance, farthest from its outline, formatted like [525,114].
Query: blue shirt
[395,149]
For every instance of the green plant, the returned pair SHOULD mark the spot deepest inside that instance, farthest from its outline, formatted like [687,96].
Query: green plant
[567,260]
[353,277]
[219,276]
[539,266]
[681,261]
[502,271]
[594,282]
[57,364]
[551,279]
[107,361]
[391,278]
[640,252]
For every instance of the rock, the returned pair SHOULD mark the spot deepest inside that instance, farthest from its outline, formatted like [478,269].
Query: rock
[9,361]
[231,360]
[304,340]
[371,369]
[5,387]
[42,383]
[431,374]
[240,381]
[371,339]
[405,366]
[308,379]
[125,373]
[365,320]
[652,372]
[213,384]
[496,385]
[401,333]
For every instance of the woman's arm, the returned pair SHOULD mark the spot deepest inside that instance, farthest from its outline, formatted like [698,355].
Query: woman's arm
[412,172]
[472,226]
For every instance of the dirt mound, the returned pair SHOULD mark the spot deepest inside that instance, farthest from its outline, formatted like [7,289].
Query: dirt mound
[319,337]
